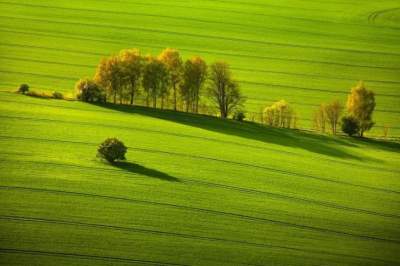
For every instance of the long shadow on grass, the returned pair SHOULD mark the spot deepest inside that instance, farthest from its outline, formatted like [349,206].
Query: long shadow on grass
[139,169]
[330,146]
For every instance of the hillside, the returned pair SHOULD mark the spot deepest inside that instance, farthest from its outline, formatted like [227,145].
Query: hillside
[195,190]
[305,52]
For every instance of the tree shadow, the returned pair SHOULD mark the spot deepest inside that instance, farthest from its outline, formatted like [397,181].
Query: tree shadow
[392,146]
[321,144]
[139,169]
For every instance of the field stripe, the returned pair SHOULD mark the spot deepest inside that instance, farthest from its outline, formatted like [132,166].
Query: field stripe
[174,234]
[278,151]
[209,211]
[263,15]
[184,19]
[278,171]
[264,84]
[92,38]
[85,256]
[279,196]
[252,70]
[81,52]
[202,36]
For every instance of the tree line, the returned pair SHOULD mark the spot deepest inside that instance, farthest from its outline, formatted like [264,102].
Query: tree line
[329,116]
[165,81]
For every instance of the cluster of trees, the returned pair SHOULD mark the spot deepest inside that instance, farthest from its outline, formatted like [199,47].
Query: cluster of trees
[360,107]
[166,80]
[279,114]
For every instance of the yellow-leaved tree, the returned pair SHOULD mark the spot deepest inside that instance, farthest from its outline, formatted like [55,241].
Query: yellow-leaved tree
[360,105]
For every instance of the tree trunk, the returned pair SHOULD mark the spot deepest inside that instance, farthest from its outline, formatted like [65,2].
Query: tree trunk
[174,97]
[154,102]
[115,96]
[132,95]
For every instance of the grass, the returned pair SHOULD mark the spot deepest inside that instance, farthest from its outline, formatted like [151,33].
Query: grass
[195,190]
[304,53]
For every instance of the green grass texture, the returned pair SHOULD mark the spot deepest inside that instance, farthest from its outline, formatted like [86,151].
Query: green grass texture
[303,51]
[195,190]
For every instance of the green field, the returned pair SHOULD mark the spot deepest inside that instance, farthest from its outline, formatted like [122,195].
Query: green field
[195,190]
[305,52]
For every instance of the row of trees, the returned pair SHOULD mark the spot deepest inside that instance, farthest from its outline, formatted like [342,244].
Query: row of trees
[360,107]
[165,79]
[168,81]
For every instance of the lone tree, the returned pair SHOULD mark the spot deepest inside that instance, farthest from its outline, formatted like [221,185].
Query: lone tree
[361,105]
[23,88]
[88,91]
[350,125]
[194,77]
[112,149]
[131,71]
[223,90]
[155,80]
[173,61]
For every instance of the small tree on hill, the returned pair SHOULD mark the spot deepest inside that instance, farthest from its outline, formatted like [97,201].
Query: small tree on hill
[108,75]
[112,149]
[88,91]
[320,118]
[24,88]
[333,112]
[193,78]
[131,70]
[279,114]
[361,105]
[172,59]
[350,125]
[155,80]
[223,90]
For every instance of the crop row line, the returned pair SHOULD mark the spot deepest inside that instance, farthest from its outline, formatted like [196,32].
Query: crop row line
[92,38]
[194,137]
[243,217]
[186,236]
[198,36]
[80,52]
[263,15]
[198,20]
[84,256]
[242,190]
[241,81]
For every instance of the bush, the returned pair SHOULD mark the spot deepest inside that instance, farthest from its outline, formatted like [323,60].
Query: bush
[43,95]
[239,116]
[350,125]
[88,91]
[112,149]
[24,88]
[58,95]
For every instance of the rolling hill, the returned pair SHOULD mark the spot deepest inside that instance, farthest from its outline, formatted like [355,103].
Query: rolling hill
[305,52]
[195,190]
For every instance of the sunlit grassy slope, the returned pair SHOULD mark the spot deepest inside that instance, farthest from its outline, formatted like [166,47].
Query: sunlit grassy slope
[194,191]
[304,51]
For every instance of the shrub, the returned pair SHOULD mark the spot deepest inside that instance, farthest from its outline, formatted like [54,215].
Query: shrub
[43,95]
[24,88]
[88,91]
[350,125]
[58,95]
[112,149]
[239,116]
